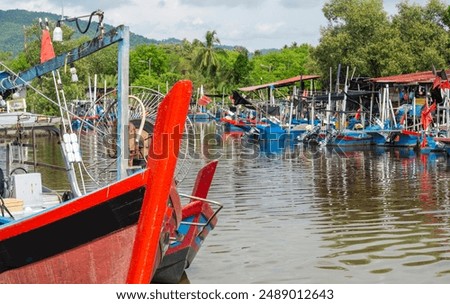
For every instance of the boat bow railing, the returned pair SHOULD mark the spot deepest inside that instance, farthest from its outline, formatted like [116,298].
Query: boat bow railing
[218,206]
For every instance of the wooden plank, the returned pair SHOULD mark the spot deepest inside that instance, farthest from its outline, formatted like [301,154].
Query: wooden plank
[13,204]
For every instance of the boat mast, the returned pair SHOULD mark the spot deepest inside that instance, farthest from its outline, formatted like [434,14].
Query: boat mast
[123,91]
[328,119]
[344,102]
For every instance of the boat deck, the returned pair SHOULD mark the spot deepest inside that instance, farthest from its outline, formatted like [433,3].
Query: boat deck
[18,210]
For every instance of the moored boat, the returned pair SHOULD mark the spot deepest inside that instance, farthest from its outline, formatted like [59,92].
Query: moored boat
[348,138]
[96,238]
[198,219]
[444,143]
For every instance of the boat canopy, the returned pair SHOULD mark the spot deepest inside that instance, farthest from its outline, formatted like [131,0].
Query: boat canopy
[280,83]
[426,77]
[239,100]
[351,94]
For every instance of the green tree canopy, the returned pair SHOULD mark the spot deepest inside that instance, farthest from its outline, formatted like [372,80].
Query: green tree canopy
[360,34]
[290,61]
[423,34]
[148,62]
[205,57]
[355,28]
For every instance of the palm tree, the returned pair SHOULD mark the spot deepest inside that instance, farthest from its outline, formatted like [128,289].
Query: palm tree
[206,55]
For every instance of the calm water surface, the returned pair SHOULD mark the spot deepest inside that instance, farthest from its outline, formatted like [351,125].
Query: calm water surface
[318,215]
[368,216]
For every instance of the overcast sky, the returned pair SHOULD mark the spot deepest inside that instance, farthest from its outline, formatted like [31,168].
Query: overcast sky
[254,24]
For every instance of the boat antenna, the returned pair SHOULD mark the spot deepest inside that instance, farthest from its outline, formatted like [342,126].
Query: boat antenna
[62,9]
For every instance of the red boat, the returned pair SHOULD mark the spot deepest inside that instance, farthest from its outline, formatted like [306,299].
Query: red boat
[117,234]
[198,219]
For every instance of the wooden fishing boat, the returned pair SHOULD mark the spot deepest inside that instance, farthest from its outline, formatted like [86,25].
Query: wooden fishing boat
[201,116]
[198,219]
[404,138]
[444,144]
[347,138]
[14,114]
[116,234]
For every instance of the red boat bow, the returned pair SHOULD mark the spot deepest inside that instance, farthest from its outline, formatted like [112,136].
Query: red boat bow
[161,164]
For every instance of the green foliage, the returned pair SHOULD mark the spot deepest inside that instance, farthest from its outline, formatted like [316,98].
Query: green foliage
[360,35]
[205,55]
[289,62]
[241,68]
[5,56]
[149,60]
[356,28]
[103,62]
[19,63]
[423,34]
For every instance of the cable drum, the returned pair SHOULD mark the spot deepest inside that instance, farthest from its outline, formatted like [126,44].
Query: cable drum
[97,135]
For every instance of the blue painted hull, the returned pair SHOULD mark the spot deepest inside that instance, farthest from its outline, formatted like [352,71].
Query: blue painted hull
[378,138]
[430,145]
[351,138]
[394,138]
[200,117]
[405,140]
[274,133]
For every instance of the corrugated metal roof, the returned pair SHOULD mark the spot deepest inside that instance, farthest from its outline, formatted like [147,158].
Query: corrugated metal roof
[279,83]
[419,77]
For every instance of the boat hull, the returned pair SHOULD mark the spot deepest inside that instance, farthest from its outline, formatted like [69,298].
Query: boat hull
[105,260]
[348,139]
[181,254]
[86,240]
[405,139]
[444,142]
[200,117]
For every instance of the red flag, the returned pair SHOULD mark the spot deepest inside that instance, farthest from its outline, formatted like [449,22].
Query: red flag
[436,82]
[433,107]
[425,116]
[424,142]
[358,114]
[47,51]
[403,118]
[445,85]
[204,100]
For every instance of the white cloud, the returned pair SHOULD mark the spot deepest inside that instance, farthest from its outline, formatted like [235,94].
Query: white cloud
[198,21]
[223,3]
[268,28]
[304,3]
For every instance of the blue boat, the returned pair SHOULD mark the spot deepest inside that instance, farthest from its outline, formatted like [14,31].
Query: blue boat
[201,117]
[347,138]
[444,142]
